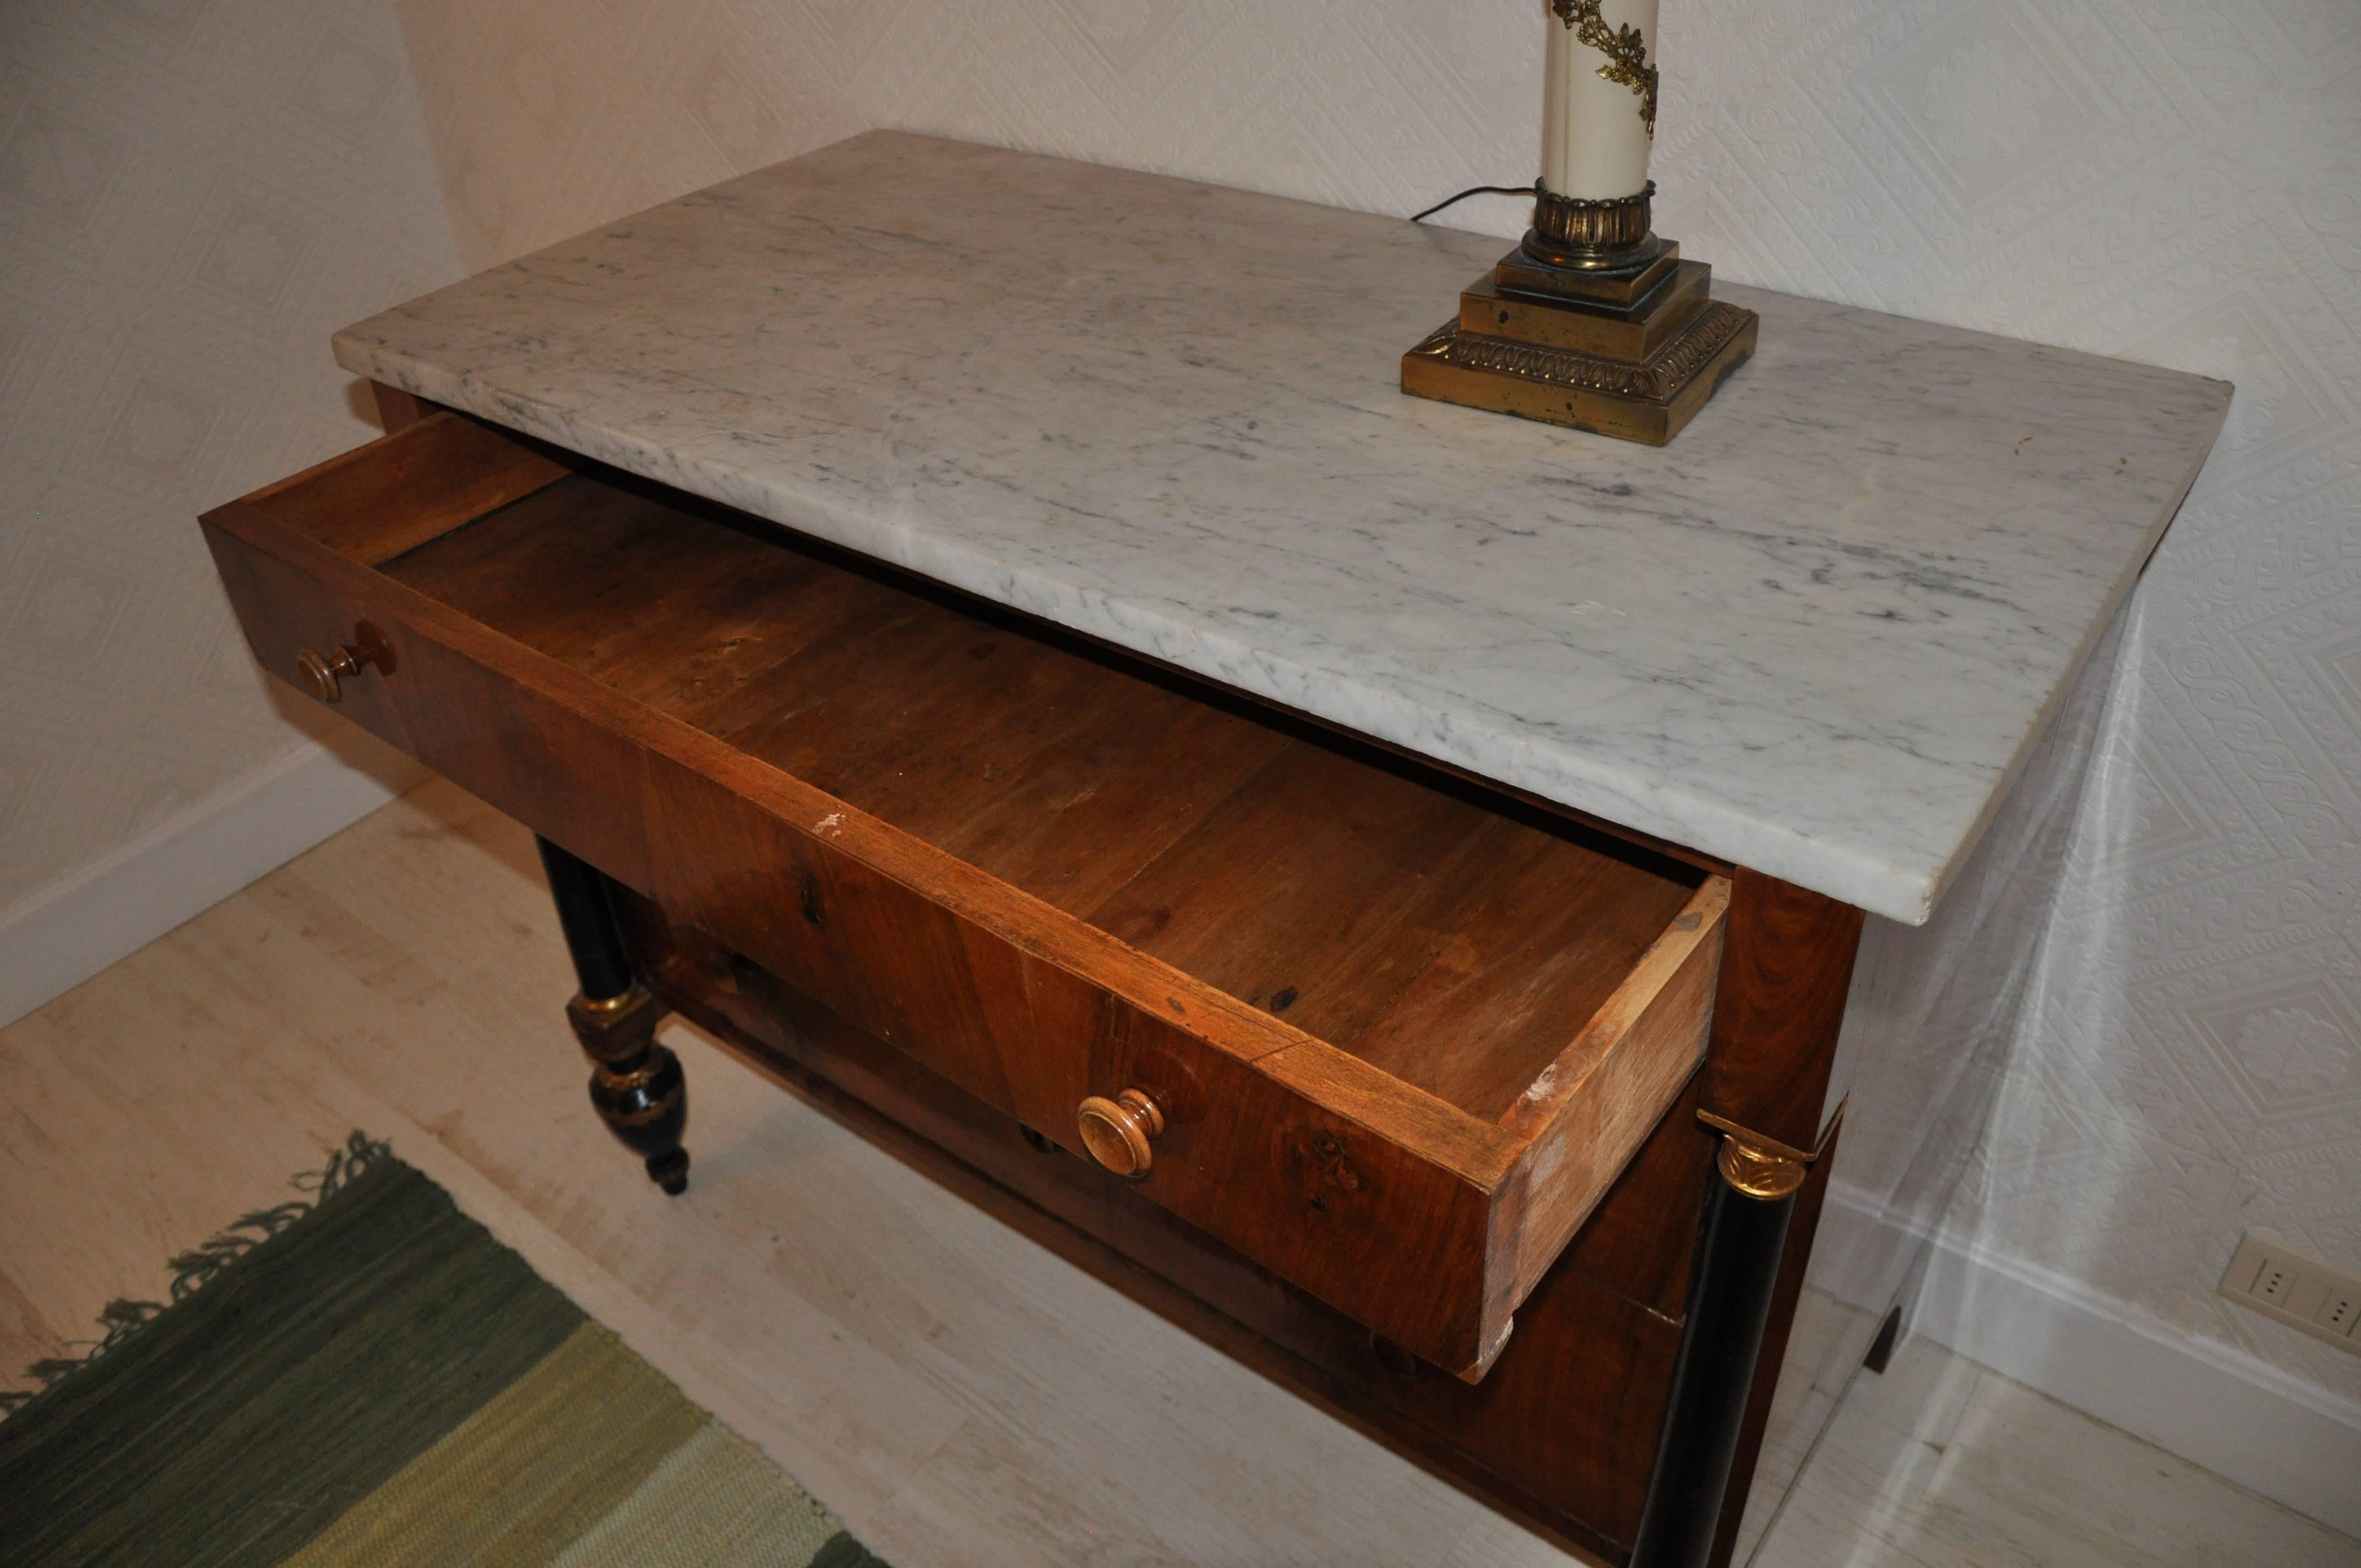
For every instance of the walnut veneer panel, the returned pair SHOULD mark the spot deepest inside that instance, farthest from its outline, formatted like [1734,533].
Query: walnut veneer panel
[1402,1036]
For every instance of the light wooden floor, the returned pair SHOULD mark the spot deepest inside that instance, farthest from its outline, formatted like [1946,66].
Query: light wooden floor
[961,1397]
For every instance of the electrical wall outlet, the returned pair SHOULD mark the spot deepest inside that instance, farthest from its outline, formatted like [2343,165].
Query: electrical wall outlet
[2299,1289]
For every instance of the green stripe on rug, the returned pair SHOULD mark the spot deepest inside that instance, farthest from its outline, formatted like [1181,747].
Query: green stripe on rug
[741,1516]
[382,1383]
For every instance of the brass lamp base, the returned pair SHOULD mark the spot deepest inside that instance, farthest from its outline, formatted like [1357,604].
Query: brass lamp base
[1571,337]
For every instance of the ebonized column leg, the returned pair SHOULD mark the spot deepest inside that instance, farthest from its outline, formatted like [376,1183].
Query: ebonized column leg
[636,1084]
[1786,972]
[1753,1193]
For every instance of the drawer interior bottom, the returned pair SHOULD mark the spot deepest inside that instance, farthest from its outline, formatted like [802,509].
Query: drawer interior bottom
[1448,936]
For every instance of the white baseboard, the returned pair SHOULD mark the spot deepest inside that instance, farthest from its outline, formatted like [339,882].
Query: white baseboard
[70,930]
[2211,1404]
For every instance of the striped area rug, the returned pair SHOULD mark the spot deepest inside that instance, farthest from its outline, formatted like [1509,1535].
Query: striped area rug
[369,1379]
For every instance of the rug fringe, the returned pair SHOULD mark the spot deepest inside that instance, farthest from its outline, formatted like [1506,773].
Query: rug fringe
[198,1268]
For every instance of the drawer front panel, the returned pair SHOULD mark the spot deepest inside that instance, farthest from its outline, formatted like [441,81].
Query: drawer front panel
[1293,1152]
[1305,1189]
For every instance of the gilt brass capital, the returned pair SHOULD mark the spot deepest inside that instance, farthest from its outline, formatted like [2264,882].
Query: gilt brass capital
[1756,1171]
[1756,1166]
[615,1028]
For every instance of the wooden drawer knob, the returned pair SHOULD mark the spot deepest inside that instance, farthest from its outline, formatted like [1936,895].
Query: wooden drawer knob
[324,679]
[1117,1131]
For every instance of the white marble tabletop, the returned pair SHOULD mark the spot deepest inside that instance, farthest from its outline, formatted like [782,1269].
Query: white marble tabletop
[1817,635]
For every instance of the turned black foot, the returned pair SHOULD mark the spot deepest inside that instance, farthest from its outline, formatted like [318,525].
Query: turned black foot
[669,1171]
[636,1084]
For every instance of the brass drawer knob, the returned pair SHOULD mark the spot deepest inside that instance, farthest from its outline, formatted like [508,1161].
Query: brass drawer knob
[325,678]
[1117,1131]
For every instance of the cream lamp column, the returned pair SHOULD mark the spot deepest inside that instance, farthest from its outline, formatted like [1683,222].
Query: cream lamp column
[1593,322]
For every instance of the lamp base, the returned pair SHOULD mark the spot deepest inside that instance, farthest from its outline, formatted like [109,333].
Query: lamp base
[1632,356]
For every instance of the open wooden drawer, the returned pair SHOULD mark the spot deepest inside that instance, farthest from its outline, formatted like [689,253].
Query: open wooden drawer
[1382,1032]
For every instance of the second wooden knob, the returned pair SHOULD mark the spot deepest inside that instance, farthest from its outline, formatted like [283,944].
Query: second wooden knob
[1117,1131]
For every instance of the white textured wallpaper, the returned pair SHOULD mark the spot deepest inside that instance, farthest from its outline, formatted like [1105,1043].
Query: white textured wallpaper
[2173,182]
[193,194]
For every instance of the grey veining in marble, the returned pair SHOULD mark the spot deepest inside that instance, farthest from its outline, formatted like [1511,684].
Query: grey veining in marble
[1816,635]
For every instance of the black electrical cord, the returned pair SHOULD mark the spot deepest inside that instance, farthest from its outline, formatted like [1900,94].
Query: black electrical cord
[1474,190]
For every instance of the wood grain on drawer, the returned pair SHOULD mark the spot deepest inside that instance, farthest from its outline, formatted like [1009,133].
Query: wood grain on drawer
[1403,1033]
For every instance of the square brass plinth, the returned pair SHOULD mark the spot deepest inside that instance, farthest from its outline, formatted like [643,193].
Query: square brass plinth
[1639,370]
[1631,333]
[1520,274]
